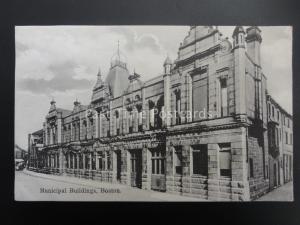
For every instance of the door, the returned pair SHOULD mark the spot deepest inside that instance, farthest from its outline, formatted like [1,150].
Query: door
[119,165]
[136,168]
[158,170]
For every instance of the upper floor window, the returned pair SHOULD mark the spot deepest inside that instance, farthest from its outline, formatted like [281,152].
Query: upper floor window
[224,98]
[117,122]
[273,113]
[200,95]
[140,120]
[178,106]
[286,138]
[130,122]
[291,139]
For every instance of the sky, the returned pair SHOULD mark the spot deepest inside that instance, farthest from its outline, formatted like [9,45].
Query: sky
[62,62]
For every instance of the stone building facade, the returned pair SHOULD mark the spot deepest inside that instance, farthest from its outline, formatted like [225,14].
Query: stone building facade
[280,129]
[199,129]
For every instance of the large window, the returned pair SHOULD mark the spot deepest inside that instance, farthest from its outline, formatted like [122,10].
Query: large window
[286,138]
[225,159]
[178,106]
[117,123]
[140,120]
[224,98]
[200,161]
[200,97]
[158,162]
[130,122]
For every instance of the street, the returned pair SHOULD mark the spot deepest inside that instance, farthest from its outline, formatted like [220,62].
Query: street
[282,193]
[30,186]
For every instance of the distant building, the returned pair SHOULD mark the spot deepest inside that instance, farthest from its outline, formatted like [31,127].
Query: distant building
[20,153]
[35,144]
[280,129]
[212,141]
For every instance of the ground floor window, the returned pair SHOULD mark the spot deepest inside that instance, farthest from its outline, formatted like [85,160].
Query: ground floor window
[158,162]
[225,159]
[200,160]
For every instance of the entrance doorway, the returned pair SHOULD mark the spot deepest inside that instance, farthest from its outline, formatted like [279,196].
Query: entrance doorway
[136,168]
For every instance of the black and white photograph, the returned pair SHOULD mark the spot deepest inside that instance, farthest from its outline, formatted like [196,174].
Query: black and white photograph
[153,113]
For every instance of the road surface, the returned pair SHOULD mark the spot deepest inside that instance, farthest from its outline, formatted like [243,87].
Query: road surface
[282,193]
[30,186]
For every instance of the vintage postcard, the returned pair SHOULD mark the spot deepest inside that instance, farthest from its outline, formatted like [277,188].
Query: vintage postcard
[153,113]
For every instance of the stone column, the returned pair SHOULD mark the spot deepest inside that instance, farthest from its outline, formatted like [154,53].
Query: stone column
[186,178]
[114,165]
[51,135]
[59,128]
[83,161]
[77,161]
[71,137]
[147,168]
[128,156]
[74,161]
[213,171]
[46,133]
[61,161]
[91,161]
[100,125]
[69,160]
[239,80]
[167,99]
[97,160]
[96,125]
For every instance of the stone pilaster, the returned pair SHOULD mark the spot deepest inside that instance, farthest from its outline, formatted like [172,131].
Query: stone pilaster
[83,161]
[146,171]
[167,99]
[114,166]
[91,160]
[128,169]
[96,125]
[240,80]
[213,172]
[59,129]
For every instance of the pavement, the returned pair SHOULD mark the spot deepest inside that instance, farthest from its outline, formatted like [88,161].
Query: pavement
[282,193]
[32,186]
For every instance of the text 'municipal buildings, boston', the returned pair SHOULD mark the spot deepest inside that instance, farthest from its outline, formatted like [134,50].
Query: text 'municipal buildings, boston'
[207,127]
